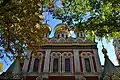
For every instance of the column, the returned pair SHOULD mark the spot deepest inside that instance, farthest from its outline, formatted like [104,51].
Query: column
[26,62]
[63,63]
[32,64]
[76,60]
[47,60]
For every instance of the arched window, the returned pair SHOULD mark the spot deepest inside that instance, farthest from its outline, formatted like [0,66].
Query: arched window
[87,65]
[55,62]
[36,65]
[67,65]
[37,62]
[55,65]
[67,61]
[87,61]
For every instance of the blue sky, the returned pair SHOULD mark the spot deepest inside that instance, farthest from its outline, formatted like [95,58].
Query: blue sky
[53,23]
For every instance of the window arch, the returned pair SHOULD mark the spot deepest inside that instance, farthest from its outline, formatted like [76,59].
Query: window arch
[70,39]
[79,40]
[87,64]
[61,62]
[53,40]
[55,62]
[87,61]
[67,61]
[62,40]
[38,61]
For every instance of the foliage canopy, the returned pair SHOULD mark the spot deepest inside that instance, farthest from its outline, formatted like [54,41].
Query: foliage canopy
[18,20]
[99,17]
[19,17]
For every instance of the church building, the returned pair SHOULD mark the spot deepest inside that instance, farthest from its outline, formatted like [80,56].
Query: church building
[64,57]
[61,57]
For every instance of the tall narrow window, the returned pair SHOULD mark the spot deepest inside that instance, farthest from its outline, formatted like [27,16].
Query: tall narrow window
[29,64]
[77,34]
[55,65]
[67,65]
[36,65]
[87,65]
[63,35]
[58,36]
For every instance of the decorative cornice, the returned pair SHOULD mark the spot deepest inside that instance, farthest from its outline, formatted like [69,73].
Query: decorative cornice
[70,43]
[69,46]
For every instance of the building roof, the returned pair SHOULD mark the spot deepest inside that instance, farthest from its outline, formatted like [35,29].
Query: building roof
[61,27]
[14,67]
[109,67]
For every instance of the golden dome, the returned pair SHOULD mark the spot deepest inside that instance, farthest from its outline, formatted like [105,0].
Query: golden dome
[60,27]
[44,27]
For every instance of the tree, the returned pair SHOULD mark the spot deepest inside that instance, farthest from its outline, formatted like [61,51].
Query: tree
[19,24]
[18,19]
[103,16]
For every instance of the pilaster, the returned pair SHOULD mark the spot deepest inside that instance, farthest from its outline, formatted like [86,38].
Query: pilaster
[26,62]
[47,60]
[76,60]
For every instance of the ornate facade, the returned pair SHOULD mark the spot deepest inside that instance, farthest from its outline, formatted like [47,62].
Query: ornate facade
[63,58]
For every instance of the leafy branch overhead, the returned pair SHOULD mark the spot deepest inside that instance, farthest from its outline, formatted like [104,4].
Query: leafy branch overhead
[18,21]
[102,17]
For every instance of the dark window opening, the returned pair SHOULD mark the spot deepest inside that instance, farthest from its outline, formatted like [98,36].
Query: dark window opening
[67,65]
[66,36]
[77,34]
[36,65]
[55,65]
[119,41]
[62,35]
[58,36]
[29,64]
[81,34]
[87,65]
